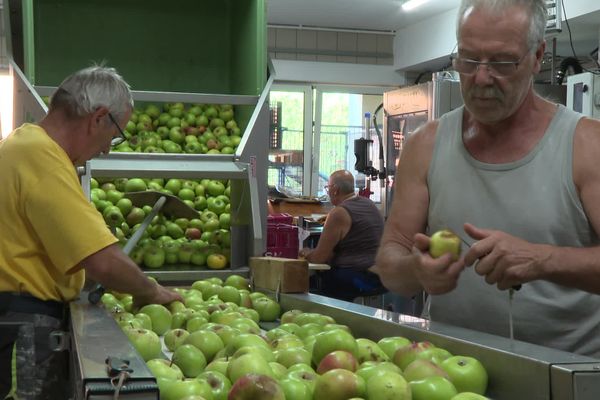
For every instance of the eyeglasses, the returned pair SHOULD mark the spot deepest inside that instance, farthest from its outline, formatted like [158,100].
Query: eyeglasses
[119,139]
[498,69]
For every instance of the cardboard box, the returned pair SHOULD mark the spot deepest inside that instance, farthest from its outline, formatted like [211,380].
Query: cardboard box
[270,272]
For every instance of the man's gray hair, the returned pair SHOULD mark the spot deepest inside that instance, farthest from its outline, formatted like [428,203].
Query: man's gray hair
[86,90]
[344,180]
[537,13]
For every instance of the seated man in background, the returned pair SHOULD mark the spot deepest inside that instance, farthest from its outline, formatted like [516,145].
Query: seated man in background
[349,241]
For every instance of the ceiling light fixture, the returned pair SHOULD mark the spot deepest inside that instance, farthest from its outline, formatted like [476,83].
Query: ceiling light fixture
[412,4]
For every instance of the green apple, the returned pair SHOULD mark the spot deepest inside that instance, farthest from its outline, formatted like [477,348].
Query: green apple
[146,342]
[229,293]
[368,350]
[268,310]
[369,369]
[173,185]
[215,188]
[245,340]
[218,365]
[247,364]
[237,281]
[287,342]
[421,369]
[292,356]
[339,384]
[407,354]
[445,241]
[218,382]
[469,396]
[328,341]
[161,317]
[154,257]
[190,359]
[295,389]
[162,368]
[144,319]
[466,373]
[135,185]
[207,341]
[174,338]
[183,389]
[389,345]
[195,324]
[388,385]
[432,388]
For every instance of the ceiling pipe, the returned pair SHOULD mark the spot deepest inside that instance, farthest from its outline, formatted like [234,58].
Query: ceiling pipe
[318,28]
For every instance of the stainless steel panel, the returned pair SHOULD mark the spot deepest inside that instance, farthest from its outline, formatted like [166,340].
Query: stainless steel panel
[517,370]
[94,337]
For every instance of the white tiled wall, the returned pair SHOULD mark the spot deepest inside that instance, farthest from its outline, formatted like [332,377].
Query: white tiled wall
[330,46]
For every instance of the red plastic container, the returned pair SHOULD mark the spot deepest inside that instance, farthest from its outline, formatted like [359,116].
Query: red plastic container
[282,241]
[281,218]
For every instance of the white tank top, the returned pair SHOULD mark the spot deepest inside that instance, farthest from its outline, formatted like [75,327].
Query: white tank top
[533,198]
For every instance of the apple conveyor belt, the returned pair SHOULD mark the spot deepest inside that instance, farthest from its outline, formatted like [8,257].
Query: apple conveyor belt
[517,370]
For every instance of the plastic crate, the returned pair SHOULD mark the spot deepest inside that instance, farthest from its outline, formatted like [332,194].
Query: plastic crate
[198,46]
[281,218]
[282,241]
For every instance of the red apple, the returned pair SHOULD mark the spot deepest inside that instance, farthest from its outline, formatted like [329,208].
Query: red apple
[337,359]
[407,354]
[339,384]
[254,387]
[421,369]
[328,341]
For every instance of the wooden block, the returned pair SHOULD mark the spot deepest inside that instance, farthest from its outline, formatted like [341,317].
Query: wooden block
[269,272]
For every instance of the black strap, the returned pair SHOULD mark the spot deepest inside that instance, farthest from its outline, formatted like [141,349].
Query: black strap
[24,303]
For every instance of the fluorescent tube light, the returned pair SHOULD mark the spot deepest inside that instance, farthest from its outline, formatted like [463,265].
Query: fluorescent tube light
[412,4]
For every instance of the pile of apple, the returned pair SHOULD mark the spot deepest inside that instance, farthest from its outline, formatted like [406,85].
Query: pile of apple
[195,129]
[213,348]
[202,241]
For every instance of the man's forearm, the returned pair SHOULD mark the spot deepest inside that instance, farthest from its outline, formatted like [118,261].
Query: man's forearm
[126,278]
[391,264]
[574,267]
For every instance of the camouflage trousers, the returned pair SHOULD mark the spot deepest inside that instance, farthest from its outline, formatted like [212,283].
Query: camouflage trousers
[41,372]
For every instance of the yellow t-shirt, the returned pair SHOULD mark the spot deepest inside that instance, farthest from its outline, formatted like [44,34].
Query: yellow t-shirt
[47,226]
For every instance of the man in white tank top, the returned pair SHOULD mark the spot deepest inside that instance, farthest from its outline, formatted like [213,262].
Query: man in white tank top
[517,177]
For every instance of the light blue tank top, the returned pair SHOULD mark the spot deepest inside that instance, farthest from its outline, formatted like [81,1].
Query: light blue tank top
[533,198]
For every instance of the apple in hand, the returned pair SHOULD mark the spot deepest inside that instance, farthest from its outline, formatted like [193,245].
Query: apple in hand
[432,388]
[388,386]
[256,386]
[466,373]
[444,241]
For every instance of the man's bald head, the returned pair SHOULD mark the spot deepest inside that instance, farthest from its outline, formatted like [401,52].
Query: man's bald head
[344,180]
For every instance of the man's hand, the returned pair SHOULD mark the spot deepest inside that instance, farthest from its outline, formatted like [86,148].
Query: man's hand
[436,275]
[503,259]
[160,295]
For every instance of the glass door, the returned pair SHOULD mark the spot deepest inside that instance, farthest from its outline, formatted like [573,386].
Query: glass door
[339,120]
[290,139]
